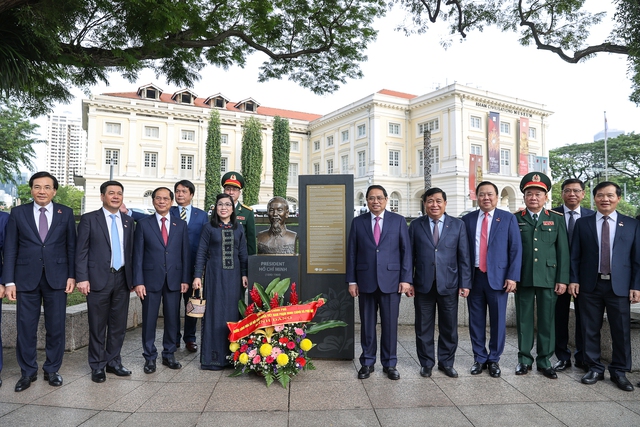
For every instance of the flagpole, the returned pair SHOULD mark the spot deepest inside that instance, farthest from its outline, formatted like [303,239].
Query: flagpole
[606,161]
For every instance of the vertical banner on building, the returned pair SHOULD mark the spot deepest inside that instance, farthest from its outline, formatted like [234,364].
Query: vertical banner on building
[493,137]
[542,164]
[523,165]
[475,174]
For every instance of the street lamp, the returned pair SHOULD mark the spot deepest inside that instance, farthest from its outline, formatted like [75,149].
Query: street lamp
[596,171]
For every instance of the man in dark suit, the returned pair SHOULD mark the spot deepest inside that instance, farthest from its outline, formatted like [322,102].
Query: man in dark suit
[39,270]
[572,195]
[495,249]
[605,273]
[104,273]
[161,272]
[4,218]
[232,184]
[442,271]
[195,219]
[378,272]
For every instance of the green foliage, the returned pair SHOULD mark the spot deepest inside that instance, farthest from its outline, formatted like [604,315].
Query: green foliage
[214,160]
[281,150]
[251,159]
[24,193]
[16,140]
[69,195]
[46,46]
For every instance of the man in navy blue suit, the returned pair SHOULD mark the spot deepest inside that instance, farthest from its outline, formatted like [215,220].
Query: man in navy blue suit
[572,195]
[161,273]
[378,272]
[442,272]
[195,219]
[495,248]
[104,273]
[4,218]
[39,269]
[605,273]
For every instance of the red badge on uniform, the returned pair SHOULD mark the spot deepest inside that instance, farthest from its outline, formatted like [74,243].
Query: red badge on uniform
[241,218]
[547,222]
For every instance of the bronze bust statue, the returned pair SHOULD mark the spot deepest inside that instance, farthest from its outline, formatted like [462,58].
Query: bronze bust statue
[277,240]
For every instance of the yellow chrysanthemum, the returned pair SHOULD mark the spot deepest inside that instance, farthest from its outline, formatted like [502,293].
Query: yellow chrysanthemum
[265,350]
[244,358]
[234,346]
[282,359]
[306,344]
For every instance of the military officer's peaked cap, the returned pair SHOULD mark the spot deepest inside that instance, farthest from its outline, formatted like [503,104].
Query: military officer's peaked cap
[232,178]
[535,180]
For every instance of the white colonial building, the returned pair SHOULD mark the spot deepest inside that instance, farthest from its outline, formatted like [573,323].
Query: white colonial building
[152,138]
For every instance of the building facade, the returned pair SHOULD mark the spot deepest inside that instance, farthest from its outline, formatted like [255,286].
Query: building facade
[151,138]
[66,147]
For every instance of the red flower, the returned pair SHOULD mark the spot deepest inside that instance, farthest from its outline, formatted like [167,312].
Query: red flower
[293,297]
[243,348]
[283,340]
[236,355]
[301,361]
[269,359]
[274,301]
[264,340]
[249,341]
[255,296]
[250,309]
[291,345]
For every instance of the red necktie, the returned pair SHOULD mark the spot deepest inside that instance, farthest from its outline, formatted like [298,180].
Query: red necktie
[483,243]
[163,229]
[376,230]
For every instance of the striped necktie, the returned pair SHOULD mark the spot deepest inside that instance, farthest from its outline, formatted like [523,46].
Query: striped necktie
[183,213]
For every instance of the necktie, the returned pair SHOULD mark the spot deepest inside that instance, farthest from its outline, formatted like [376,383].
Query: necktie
[163,229]
[183,214]
[436,232]
[376,230]
[572,224]
[43,225]
[484,231]
[535,218]
[116,254]
[605,247]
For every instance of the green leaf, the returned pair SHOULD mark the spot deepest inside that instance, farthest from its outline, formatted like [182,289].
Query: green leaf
[242,307]
[316,298]
[281,287]
[269,290]
[327,324]
[268,377]
[263,295]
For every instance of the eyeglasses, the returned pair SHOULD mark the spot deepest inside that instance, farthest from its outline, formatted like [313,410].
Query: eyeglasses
[231,189]
[374,198]
[224,205]
[572,191]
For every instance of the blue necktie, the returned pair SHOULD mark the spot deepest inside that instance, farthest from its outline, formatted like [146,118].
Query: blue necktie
[116,261]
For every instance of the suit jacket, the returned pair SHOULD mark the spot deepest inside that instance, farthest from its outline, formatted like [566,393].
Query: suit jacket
[625,255]
[447,262]
[4,219]
[545,249]
[25,254]
[583,212]
[199,219]
[245,216]
[153,261]
[383,266]
[93,250]
[504,248]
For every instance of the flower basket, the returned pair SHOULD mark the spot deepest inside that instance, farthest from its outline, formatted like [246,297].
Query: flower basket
[272,338]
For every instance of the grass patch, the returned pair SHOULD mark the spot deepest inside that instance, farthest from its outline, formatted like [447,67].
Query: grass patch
[74,298]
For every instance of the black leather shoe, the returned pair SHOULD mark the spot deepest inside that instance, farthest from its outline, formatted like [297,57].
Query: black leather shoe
[0,382]
[25,382]
[561,365]
[98,376]
[592,377]
[171,362]
[494,369]
[192,347]
[622,382]
[581,365]
[425,372]
[448,371]
[477,367]
[119,370]
[548,372]
[365,372]
[391,372]
[149,366]
[522,369]
[54,379]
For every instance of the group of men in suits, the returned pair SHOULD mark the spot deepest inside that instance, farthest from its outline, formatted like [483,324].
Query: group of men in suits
[545,257]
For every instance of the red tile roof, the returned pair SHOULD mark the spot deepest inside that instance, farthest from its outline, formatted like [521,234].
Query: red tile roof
[397,94]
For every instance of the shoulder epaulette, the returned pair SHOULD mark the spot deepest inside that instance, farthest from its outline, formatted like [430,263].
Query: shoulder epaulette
[522,212]
[556,212]
[246,207]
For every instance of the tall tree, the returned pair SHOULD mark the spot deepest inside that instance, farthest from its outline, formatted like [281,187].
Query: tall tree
[562,27]
[251,159]
[214,160]
[281,150]
[69,195]
[48,45]
[16,141]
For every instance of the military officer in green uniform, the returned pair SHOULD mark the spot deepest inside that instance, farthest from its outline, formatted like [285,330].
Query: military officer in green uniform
[233,183]
[545,273]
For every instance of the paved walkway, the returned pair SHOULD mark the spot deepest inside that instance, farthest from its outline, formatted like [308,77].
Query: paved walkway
[329,396]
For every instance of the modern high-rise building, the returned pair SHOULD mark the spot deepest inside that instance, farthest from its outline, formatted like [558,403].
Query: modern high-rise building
[66,147]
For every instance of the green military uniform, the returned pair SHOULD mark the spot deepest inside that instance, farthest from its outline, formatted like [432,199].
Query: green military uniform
[545,262]
[244,214]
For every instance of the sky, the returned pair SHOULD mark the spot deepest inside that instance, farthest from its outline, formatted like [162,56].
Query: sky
[578,94]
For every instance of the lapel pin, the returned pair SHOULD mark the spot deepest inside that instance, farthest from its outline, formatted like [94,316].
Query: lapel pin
[621,224]
[59,211]
[497,219]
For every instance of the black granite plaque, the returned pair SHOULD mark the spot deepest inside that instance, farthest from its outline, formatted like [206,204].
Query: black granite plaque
[264,268]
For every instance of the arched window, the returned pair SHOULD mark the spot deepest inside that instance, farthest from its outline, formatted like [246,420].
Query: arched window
[394,202]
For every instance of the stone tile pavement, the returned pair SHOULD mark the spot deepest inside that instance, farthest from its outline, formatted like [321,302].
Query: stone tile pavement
[329,396]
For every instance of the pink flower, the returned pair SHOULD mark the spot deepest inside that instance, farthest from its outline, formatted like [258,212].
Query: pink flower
[291,345]
[278,328]
[276,351]
[256,360]
[299,331]
[252,353]
[270,359]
